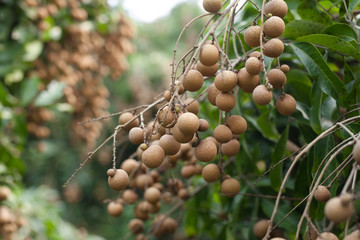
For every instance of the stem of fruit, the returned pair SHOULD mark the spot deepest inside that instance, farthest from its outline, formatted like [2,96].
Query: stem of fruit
[117,129]
[261,41]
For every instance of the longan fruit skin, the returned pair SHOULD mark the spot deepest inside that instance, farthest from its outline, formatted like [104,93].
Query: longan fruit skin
[193,106]
[152,195]
[203,125]
[230,148]
[253,66]
[212,6]
[209,55]
[129,165]
[260,228]
[130,196]
[136,226]
[285,68]
[223,134]
[179,136]
[356,151]
[207,71]
[212,94]
[193,80]
[252,36]
[167,95]
[336,211]
[119,181]
[237,124]
[153,157]
[169,144]
[115,209]
[188,171]
[136,135]
[255,54]
[246,81]
[273,48]
[225,81]
[353,236]
[276,8]
[276,78]
[165,117]
[230,187]
[322,194]
[274,27]
[286,105]
[5,192]
[327,236]
[262,95]
[170,225]
[225,101]
[211,173]
[126,117]
[206,151]
[188,123]
[183,194]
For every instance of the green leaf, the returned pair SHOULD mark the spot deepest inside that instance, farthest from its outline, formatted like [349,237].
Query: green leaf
[333,43]
[300,85]
[299,28]
[340,29]
[29,89]
[276,173]
[53,92]
[319,70]
[308,10]
[315,109]
[266,126]
[353,4]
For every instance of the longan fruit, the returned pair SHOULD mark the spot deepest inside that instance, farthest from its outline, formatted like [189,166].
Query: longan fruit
[273,48]
[260,228]
[277,238]
[5,192]
[192,106]
[180,136]
[174,185]
[356,151]
[136,135]
[255,54]
[253,65]
[211,173]
[178,85]
[166,117]
[246,81]
[311,234]
[154,208]
[136,226]
[276,8]
[143,180]
[223,134]
[212,94]
[322,194]
[252,36]
[355,235]
[169,144]
[274,27]
[188,123]
[198,169]
[119,180]
[225,80]
[276,78]
[225,101]
[207,71]
[153,156]
[183,193]
[262,95]
[230,187]
[115,209]
[130,166]
[203,125]
[125,118]
[170,225]
[230,148]
[237,124]
[152,195]
[212,6]
[206,151]
[167,95]
[193,80]
[129,196]
[188,171]
[209,55]
[285,68]
[338,211]
[327,235]
[286,105]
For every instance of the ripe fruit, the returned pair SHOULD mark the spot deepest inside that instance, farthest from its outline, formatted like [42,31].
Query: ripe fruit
[311,234]
[285,68]
[274,27]
[356,152]
[207,71]
[338,209]
[355,235]
[276,78]
[212,6]
[262,95]
[188,123]
[170,225]
[260,228]
[230,148]
[255,54]
[252,36]
[115,209]
[276,8]
[327,236]
[179,136]
[153,156]
[169,144]
[322,194]
[136,135]
[152,195]
[136,226]
[225,101]
[188,171]
[211,173]
[183,193]
[4,193]
[193,80]
[222,134]
[167,95]
[286,105]
[212,94]
[192,106]
[118,180]
[143,180]
[230,187]
[203,125]
[129,196]
[206,151]
[130,166]
[209,55]
[246,81]
[273,48]
[237,124]
[253,66]
[126,117]
[166,117]
[225,80]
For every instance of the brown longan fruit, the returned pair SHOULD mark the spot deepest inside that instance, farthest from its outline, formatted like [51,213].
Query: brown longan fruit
[253,66]
[327,236]
[212,6]
[119,180]
[237,124]
[223,134]
[193,80]
[211,173]
[136,135]
[143,180]
[356,151]
[225,80]
[355,235]
[274,27]
[246,81]
[152,195]
[125,118]
[252,36]
[338,210]
[311,234]
[206,151]
[230,187]
[276,8]
[166,117]
[212,94]
[192,106]
[285,68]
[136,226]
[180,136]
[322,194]
[129,196]
[198,169]
[209,55]
[262,95]
[169,144]
[130,166]
[5,192]
[167,95]
[115,209]
[273,48]
[153,156]
[260,228]
[276,78]
[178,85]
[188,123]
[207,71]
[203,125]
[170,225]
[174,185]
[255,54]
[183,193]
[286,105]
[188,171]
[230,148]
[225,101]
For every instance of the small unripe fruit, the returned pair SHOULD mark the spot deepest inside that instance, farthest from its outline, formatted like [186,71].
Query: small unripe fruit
[252,36]
[322,194]
[230,148]
[273,48]
[188,171]
[212,6]
[253,66]
[225,80]
[125,118]
[237,124]
[192,106]
[225,101]
[327,236]
[188,123]
[136,135]
[223,134]
[286,105]
[152,195]
[285,68]
[153,156]
[356,151]
[119,180]
[355,235]
[209,55]
[130,196]
[130,166]
[262,95]
[276,8]
[212,94]
[207,71]
[276,78]
[206,151]
[193,80]
[169,144]
[335,210]
[260,228]
[230,187]
[166,117]
[246,81]
[274,27]
[136,226]
[115,209]
[211,173]
[203,125]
